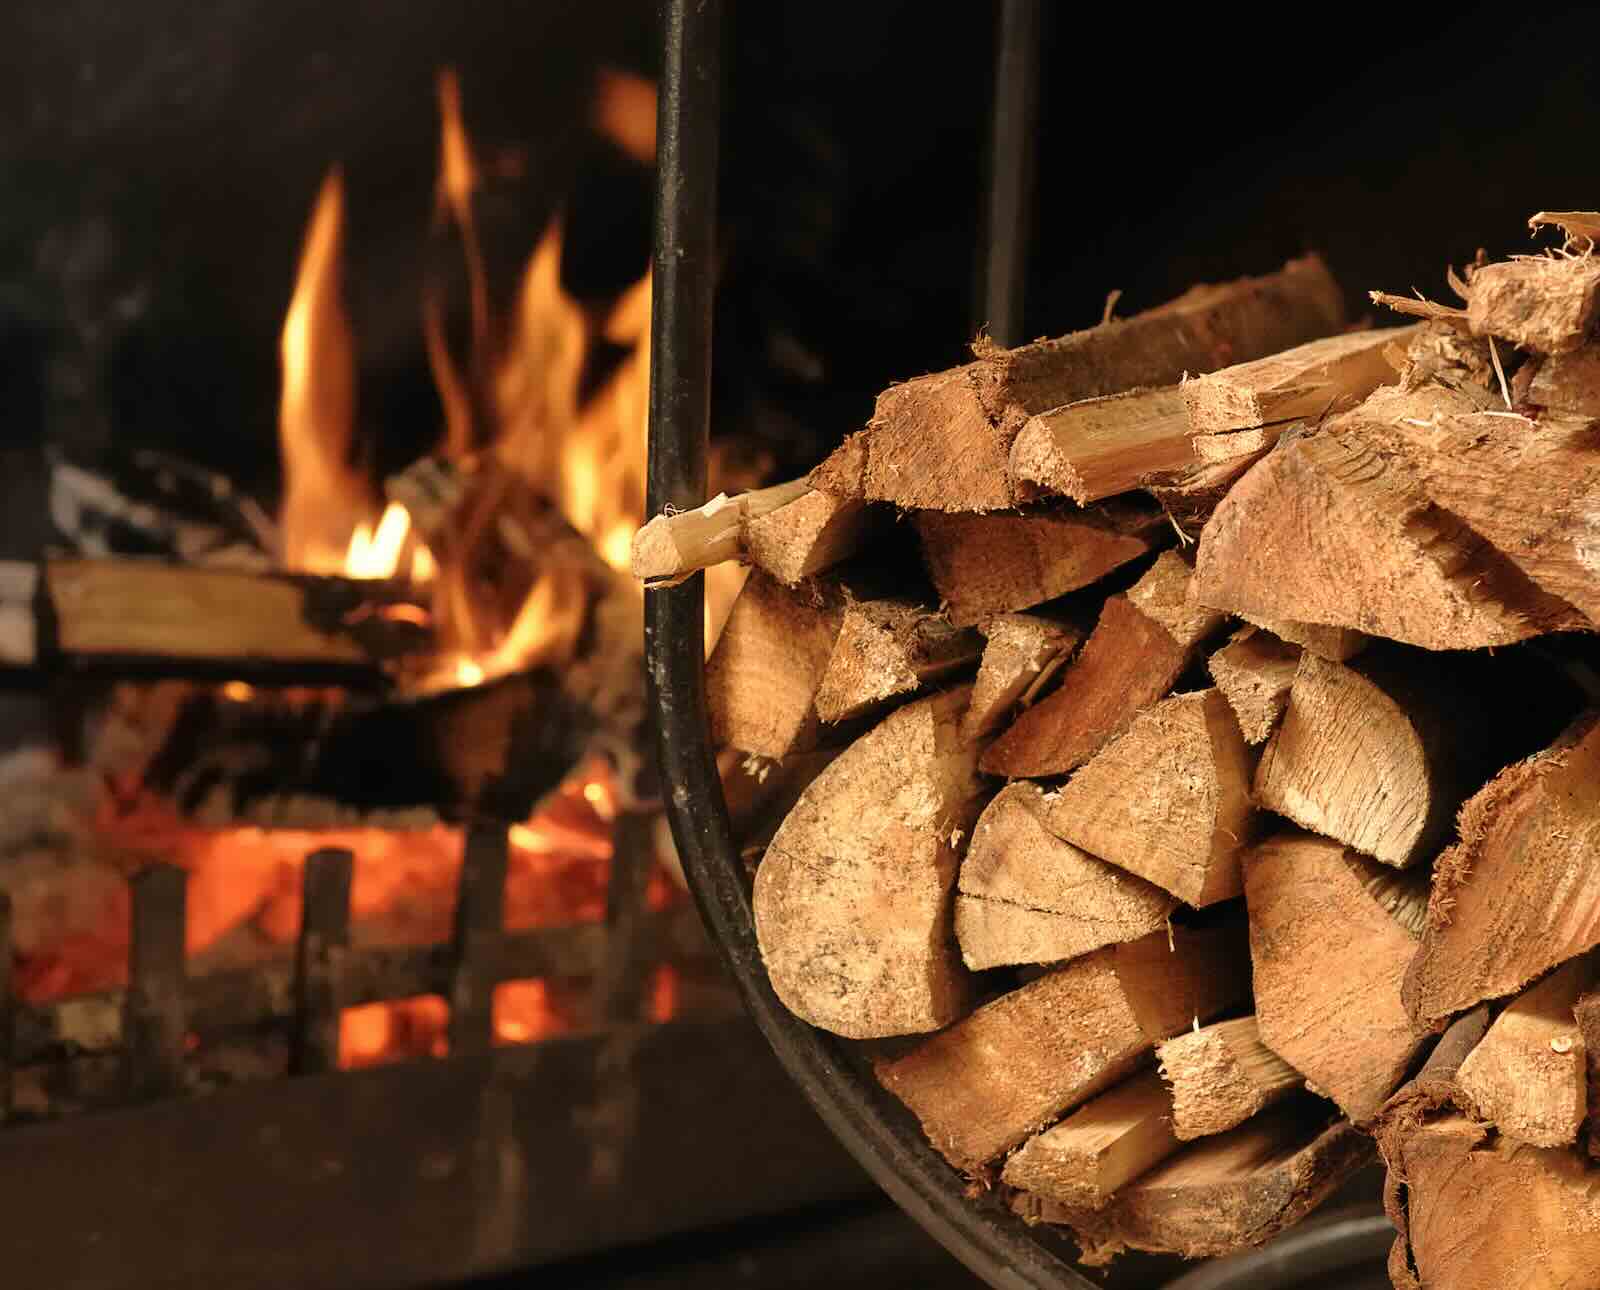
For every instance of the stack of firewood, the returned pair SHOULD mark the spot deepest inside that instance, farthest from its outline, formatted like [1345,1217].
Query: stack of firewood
[1225,745]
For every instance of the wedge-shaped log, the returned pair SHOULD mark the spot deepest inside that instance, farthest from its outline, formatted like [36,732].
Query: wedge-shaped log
[1254,672]
[1309,380]
[1327,529]
[994,564]
[669,548]
[1107,1142]
[1486,1212]
[1334,643]
[943,442]
[1567,383]
[1331,934]
[1504,908]
[887,648]
[1016,1064]
[1221,1075]
[1546,304]
[853,898]
[1027,896]
[1222,1194]
[1097,448]
[808,535]
[1020,654]
[1528,1075]
[1168,800]
[1378,754]
[1130,660]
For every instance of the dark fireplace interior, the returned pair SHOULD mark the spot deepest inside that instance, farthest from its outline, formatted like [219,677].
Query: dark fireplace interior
[163,165]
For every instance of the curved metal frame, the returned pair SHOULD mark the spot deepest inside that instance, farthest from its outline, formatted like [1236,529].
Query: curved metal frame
[991,1242]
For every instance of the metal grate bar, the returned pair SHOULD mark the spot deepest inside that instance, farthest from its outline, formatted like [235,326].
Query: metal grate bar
[479,923]
[155,1021]
[319,960]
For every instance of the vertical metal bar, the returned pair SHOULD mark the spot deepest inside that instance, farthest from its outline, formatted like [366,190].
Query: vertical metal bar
[1009,214]
[479,926]
[319,960]
[156,1020]
[8,1012]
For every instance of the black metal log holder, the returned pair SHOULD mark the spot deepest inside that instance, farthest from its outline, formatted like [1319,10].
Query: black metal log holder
[877,1131]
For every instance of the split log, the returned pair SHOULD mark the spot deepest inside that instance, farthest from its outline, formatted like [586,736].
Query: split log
[1130,660]
[146,613]
[1309,380]
[995,564]
[1331,934]
[1027,896]
[1336,644]
[1234,445]
[1586,1012]
[1378,754]
[1502,911]
[1016,1064]
[1222,1194]
[1254,672]
[1326,529]
[853,899]
[1021,653]
[809,535]
[763,675]
[1567,383]
[1168,800]
[1105,1143]
[887,648]
[1191,496]
[943,442]
[1548,304]
[1528,1077]
[1221,1075]
[1096,448]
[1485,1212]
[669,548]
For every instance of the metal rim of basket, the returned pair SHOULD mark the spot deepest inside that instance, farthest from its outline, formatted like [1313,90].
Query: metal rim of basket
[986,1237]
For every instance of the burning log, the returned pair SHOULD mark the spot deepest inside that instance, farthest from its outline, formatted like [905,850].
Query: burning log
[884,817]
[943,442]
[1013,1066]
[1221,1075]
[1028,896]
[143,613]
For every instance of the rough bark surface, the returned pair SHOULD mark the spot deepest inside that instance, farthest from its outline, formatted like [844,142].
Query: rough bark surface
[1016,1064]
[853,899]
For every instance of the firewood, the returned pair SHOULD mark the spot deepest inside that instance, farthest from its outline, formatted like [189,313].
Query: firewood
[1567,383]
[887,648]
[1309,380]
[1221,1194]
[1331,934]
[943,442]
[1529,490]
[1168,800]
[1586,1012]
[763,675]
[853,899]
[1379,754]
[1096,448]
[1221,1075]
[671,547]
[1542,303]
[1502,911]
[994,564]
[1108,1141]
[1254,672]
[1027,896]
[1325,529]
[1336,644]
[1016,1064]
[1191,496]
[1486,1212]
[1021,653]
[1236,445]
[118,611]
[1528,1076]
[1130,660]
[812,533]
